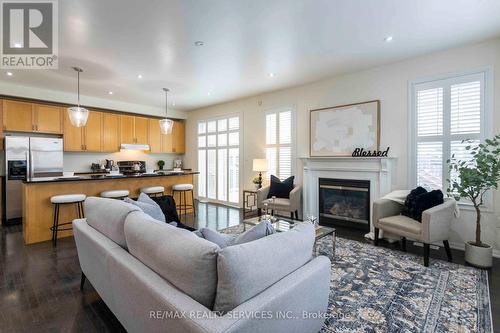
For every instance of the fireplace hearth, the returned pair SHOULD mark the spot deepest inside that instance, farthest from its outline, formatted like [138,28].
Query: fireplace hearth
[344,202]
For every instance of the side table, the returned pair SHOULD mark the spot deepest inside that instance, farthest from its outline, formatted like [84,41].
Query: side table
[249,202]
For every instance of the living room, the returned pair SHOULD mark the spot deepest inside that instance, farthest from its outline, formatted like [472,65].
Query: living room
[335,172]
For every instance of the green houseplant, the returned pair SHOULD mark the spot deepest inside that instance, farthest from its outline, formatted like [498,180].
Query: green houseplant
[161,164]
[473,179]
[257,182]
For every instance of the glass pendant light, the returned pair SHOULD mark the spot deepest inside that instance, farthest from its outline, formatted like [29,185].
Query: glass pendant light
[78,115]
[166,124]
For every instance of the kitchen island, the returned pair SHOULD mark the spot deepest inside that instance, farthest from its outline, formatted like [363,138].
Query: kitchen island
[38,211]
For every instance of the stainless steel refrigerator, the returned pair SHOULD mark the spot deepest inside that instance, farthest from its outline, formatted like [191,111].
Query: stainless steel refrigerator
[28,157]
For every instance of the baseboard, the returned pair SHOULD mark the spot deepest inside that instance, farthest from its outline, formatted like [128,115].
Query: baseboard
[456,246]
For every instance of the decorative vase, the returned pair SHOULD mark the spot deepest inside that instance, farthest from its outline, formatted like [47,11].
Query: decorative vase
[257,186]
[479,256]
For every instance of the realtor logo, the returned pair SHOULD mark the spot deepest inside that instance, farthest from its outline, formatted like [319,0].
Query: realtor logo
[29,34]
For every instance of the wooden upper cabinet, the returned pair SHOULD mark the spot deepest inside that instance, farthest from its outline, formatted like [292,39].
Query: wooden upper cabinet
[110,132]
[73,136]
[18,116]
[141,130]
[155,136]
[127,134]
[178,137]
[48,119]
[93,132]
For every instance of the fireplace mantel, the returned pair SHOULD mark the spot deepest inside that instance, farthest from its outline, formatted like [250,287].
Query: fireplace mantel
[378,170]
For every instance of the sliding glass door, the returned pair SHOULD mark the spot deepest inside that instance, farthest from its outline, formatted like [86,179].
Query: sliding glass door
[219,159]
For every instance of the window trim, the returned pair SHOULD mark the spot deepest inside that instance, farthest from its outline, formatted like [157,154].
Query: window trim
[293,146]
[486,120]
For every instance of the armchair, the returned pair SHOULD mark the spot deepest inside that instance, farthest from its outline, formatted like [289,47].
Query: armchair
[291,205]
[435,225]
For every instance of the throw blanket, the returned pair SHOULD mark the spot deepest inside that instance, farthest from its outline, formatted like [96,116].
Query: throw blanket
[399,196]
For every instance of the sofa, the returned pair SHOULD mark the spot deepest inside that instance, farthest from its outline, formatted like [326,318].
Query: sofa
[156,277]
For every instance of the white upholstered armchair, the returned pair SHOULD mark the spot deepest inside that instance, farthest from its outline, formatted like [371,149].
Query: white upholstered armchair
[435,225]
[291,205]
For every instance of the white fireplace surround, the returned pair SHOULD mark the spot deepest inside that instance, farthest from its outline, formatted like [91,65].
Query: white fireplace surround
[378,170]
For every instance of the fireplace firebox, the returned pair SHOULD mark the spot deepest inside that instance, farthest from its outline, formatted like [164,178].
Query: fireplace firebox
[344,202]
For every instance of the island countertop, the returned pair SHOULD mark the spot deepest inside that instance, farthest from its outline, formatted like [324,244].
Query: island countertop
[108,177]
[38,211]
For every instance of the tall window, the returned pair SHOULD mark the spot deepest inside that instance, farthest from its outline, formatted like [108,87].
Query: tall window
[279,143]
[445,113]
[219,159]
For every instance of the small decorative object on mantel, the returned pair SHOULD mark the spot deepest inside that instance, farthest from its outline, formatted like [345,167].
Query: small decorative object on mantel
[338,130]
[361,152]
[471,179]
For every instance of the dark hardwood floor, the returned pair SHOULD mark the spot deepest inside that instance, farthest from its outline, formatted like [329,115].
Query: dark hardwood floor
[39,284]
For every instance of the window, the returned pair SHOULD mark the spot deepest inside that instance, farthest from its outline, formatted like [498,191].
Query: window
[446,112]
[218,159]
[279,143]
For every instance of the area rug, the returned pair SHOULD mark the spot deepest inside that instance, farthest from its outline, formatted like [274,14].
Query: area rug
[374,289]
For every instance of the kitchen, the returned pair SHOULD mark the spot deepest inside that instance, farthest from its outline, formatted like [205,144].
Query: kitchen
[80,159]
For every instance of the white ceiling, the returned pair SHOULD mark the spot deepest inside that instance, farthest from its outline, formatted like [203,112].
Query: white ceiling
[245,40]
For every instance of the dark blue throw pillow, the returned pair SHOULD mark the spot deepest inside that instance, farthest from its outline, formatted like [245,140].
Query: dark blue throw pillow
[280,189]
[420,200]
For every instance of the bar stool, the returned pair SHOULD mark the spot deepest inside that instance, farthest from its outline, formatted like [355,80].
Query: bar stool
[182,189]
[153,190]
[115,194]
[65,199]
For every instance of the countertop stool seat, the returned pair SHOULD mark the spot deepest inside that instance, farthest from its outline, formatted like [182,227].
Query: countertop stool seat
[153,190]
[182,189]
[115,194]
[65,199]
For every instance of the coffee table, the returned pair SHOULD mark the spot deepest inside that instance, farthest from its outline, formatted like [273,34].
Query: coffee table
[285,224]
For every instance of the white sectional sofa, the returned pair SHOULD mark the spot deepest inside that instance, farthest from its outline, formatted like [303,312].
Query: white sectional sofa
[155,277]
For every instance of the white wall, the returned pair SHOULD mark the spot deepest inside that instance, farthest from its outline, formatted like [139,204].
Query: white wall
[80,162]
[389,84]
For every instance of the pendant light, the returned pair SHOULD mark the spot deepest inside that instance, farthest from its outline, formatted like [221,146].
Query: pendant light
[166,124]
[78,115]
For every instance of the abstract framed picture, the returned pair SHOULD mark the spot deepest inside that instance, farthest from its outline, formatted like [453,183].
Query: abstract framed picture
[338,130]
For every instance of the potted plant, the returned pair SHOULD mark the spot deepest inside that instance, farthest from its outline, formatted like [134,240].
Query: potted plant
[473,179]
[257,182]
[161,164]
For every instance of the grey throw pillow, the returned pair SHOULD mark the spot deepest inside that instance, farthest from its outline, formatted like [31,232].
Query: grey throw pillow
[262,229]
[148,206]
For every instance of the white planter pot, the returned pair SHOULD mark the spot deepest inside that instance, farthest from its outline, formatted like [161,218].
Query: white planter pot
[479,256]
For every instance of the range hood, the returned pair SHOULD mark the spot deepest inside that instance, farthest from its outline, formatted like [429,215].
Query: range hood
[134,146]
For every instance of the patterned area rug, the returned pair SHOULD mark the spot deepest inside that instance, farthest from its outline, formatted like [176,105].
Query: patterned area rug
[374,289]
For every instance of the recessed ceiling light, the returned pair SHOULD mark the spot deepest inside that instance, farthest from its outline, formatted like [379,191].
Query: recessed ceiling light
[388,39]
[18,45]
[209,93]
[173,103]
[110,93]
[139,76]
[9,74]
[272,75]
[199,43]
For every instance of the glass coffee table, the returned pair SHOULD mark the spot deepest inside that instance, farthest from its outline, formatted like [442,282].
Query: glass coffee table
[285,224]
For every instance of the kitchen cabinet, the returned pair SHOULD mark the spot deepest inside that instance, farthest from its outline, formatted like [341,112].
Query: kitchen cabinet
[17,116]
[29,117]
[92,132]
[48,119]
[127,134]
[141,127]
[86,138]
[155,136]
[110,132]
[179,137]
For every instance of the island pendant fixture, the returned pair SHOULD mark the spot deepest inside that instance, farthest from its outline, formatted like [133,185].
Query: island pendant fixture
[78,115]
[166,124]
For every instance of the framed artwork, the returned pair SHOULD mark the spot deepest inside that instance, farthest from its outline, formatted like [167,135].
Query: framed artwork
[338,130]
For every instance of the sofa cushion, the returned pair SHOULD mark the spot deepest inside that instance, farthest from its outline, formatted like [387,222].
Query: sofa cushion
[108,217]
[402,223]
[179,256]
[247,269]
[263,229]
[148,206]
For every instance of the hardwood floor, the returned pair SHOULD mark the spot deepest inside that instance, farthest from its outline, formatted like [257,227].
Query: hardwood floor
[39,285]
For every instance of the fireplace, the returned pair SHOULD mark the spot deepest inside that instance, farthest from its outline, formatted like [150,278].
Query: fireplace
[344,202]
